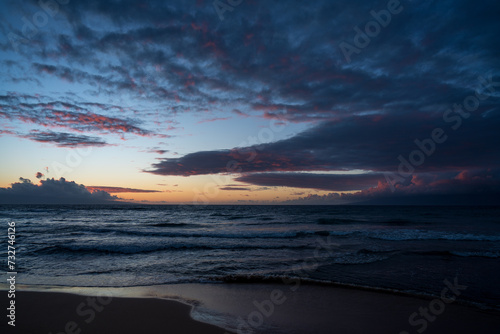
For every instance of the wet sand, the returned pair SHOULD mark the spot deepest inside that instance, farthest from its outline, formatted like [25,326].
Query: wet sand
[242,308]
[57,313]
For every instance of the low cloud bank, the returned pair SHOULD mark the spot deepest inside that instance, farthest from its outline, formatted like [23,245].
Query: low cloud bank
[51,191]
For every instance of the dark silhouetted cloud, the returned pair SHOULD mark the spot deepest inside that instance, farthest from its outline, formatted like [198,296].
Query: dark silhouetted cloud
[371,143]
[114,190]
[51,191]
[63,139]
[464,188]
[235,188]
[333,182]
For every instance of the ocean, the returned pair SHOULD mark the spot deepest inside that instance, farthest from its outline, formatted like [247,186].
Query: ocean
[406,249]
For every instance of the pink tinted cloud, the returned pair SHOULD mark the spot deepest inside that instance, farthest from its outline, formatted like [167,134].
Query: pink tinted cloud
[115,190]
[213,120]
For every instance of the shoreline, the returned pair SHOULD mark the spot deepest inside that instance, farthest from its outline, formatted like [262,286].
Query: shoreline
[125,291]
[252,308]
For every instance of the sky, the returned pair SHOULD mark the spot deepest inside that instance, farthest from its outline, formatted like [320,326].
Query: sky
[250,102]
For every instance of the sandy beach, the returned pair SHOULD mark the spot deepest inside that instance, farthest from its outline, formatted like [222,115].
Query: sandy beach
[244,308]
[43,312]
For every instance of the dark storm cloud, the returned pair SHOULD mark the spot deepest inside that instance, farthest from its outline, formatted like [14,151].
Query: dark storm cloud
[365,142]
[63,139]
[52,191]
[291,67]
[333,182]
[475,187]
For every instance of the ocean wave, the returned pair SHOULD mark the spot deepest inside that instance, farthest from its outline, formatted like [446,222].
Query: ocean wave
[403,235]
[167,224]
[337,221]
[234,235]
[347,221]
[493,255]
[389,235]
[358,259]
[239,217]
[192,230]
[375,251]
[430,253]
[219,214]
[139,249]
[294,279]
[486,254]
[397,222]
